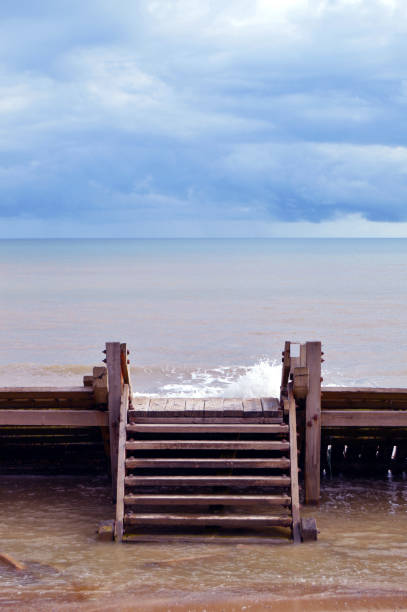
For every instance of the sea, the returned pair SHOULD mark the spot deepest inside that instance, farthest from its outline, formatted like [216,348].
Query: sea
[202,317]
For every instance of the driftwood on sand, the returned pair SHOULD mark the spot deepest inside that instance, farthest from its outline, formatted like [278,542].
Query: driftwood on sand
[7,560]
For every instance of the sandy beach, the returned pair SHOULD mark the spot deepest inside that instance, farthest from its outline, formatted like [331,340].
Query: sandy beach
[202,602]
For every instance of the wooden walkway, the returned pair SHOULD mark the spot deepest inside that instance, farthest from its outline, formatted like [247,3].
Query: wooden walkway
[260,410]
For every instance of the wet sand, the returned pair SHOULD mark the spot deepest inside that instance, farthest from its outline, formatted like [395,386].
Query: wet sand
[217,602]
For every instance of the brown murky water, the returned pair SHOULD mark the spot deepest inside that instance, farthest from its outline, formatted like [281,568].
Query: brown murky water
[49,524]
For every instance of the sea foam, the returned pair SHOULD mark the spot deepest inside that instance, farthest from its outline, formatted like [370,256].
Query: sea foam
[261,379]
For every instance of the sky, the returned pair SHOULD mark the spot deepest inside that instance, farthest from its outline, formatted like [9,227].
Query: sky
[159,118]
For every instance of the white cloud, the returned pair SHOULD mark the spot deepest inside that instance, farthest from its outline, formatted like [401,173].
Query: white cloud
[243,111]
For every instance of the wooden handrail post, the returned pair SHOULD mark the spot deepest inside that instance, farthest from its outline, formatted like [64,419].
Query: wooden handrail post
[124,361]
[285,372]
[114,379]
[295,494]
[313,424]
[121,464]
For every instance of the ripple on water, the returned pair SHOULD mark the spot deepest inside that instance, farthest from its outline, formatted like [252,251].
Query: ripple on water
[49,523]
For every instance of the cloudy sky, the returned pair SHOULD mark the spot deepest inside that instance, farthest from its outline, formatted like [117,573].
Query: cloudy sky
[203,118]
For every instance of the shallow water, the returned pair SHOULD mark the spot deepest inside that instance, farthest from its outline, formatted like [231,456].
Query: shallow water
[49,524]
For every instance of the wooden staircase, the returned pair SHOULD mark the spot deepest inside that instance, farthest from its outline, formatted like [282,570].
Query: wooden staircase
[223,473]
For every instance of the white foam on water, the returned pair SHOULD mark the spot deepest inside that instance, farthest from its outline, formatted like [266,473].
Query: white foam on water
[262,379]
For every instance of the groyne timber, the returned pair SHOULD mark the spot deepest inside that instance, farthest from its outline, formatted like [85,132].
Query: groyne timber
[214,468]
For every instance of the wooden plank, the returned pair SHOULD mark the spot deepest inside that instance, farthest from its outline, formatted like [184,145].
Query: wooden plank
[141,417]
[203,500]
[176,406]
[99,385]
[208,445]
[194,407]
[208,428]
[121,465]
[313,425]
[124,364]
[246,481]
[19,393]
[363,404]
[48,404]
[63,418]
[114,401]
[271,464]
[252,407]
[285,372]
[88,380]
[139,404]
[363,418]
[208,519]
[232,407]
[8,560]
[309,531]
[394,392]
[143,537]
[295,492]
[301,382]
[270,405]
[213,406]
[363,397]
[157,405]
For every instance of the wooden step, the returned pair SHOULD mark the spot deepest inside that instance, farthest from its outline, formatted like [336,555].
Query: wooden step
[271,445]
[208,519]
[208,407]
[247,481]
[207,428]
[204,500]
[38,393]
[206,537]
[145,417]
[192,463]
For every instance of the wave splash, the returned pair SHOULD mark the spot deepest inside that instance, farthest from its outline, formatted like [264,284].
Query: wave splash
[263,379]
[259,380]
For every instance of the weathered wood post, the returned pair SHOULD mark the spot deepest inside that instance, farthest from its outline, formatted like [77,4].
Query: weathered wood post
[313,424]
[114,379]
[121,472]
[285,371]
[99,385]
[124,361]
[295,492]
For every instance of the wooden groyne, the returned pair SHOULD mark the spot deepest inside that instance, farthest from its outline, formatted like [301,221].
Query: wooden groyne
[352,429]
[55,429]
[182,466]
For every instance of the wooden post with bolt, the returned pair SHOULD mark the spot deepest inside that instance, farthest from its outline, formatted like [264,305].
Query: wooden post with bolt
[114,379]
[313,424]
